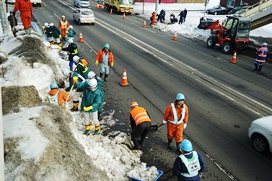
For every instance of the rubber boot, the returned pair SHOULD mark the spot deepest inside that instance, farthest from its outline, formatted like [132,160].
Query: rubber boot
[75,106]
[106,77]
[97,130]
[87,130]
[169,144]
[101,75]
[178,150]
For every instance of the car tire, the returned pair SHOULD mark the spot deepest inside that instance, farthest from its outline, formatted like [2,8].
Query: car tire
[210,42]
[74,19]
[215,13]
[259,143]
[92,24]
[79,23]
[227,47]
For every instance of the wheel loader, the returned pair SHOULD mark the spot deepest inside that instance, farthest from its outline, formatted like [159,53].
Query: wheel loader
[232,35]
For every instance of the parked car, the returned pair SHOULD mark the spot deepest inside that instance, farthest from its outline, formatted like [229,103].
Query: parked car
[260,132]
[82,3]
[242,10]
[84,15]
[237,8]
[216,10]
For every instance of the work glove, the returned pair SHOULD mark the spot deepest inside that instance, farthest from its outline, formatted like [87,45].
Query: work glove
[59,36]
[59,48]
[184,125]
[164,122]
[75,79]
[88,108]
[96,62]
[112,64]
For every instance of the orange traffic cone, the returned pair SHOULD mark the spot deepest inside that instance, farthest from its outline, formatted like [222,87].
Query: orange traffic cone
[233,60]
[124,79]
[80,40]
[144,24]
[175,36]
[124,16]
[110,11]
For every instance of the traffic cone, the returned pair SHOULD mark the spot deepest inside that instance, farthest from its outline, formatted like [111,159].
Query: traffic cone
[233,60]
[175,36]
[80,40]
[144,24]
[124,79]
[110,11]
[124,16]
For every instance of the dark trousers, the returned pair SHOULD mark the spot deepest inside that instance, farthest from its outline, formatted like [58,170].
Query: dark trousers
[258,65]
[139,133]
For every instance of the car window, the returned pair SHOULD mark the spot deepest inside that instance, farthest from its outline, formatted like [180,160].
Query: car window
[217,7]
[87,13]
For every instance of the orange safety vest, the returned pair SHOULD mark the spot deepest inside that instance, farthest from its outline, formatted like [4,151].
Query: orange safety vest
[139,115]
[63,24]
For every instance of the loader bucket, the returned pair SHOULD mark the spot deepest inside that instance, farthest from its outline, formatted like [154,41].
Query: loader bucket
[204,24]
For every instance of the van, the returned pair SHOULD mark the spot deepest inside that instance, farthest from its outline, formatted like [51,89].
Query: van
[36,2]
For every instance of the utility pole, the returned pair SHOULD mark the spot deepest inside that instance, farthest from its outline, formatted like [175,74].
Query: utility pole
[2,176]
[3,17]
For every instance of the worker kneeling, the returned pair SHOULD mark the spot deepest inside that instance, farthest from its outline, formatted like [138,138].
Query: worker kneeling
[140,123]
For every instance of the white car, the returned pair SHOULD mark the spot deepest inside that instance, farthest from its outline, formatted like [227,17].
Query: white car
[84,15]
[260,132]
[82,3]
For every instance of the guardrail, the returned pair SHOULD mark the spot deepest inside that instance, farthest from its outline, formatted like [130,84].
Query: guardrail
[258,7]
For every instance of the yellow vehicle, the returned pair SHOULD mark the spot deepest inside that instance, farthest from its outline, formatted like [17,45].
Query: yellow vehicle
[119,6]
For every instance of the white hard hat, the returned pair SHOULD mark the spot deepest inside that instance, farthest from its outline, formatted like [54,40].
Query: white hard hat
[91,74]
[75,58]
[264,44]
[63,16]
[70,40]
[51,24]
[45,24]
[92,83]
[71,27]
[66,72]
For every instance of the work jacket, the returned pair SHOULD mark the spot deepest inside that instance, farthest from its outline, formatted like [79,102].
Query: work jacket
[176,115]
[72,49]
[63,24]
[139,115]
[58,97]
[261,54]
[22,6]
[82,70]
[99,56]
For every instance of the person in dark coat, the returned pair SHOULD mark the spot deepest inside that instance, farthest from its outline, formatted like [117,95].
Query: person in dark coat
[184,15]
[72,50]
[173,18]
[56,34]
[190,165]
[13,22]
[181,16]
[162,16]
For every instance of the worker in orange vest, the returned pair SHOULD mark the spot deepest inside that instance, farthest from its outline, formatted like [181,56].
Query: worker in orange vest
[140,123]
[57,97]
[25,8]
[63,26]
[176,116]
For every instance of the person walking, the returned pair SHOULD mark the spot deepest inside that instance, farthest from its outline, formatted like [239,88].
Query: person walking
[261,57]
[25,8]
[184,15]
[57,97]
[140,123]
[162,16]
[176,116]
[72,51]
[71,77]
[12,22]
[190,165]
[55,33]
[91,100]
[105,60]
[181,16]
[82,69]
[63,26]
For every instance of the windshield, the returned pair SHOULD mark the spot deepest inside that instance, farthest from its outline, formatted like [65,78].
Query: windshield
[124,1]
[217,7]
[87,13]
[244,27]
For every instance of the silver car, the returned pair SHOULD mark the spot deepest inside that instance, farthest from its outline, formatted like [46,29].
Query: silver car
[260,132]
[84,15]
[82,3]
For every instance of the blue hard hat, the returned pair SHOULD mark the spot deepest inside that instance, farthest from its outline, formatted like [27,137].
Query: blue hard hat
[107,46]
[53,85]
[186,145]
[180,97]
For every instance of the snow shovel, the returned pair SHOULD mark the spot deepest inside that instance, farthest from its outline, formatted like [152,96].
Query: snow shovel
[156,126]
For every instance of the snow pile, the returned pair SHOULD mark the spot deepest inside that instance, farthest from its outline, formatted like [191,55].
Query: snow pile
[142,172]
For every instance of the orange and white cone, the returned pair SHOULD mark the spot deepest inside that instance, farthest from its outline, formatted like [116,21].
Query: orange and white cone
[124,79]
[144,24]
[80,40]
[175,36]
[124,16]
[110,11]
[233,60]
